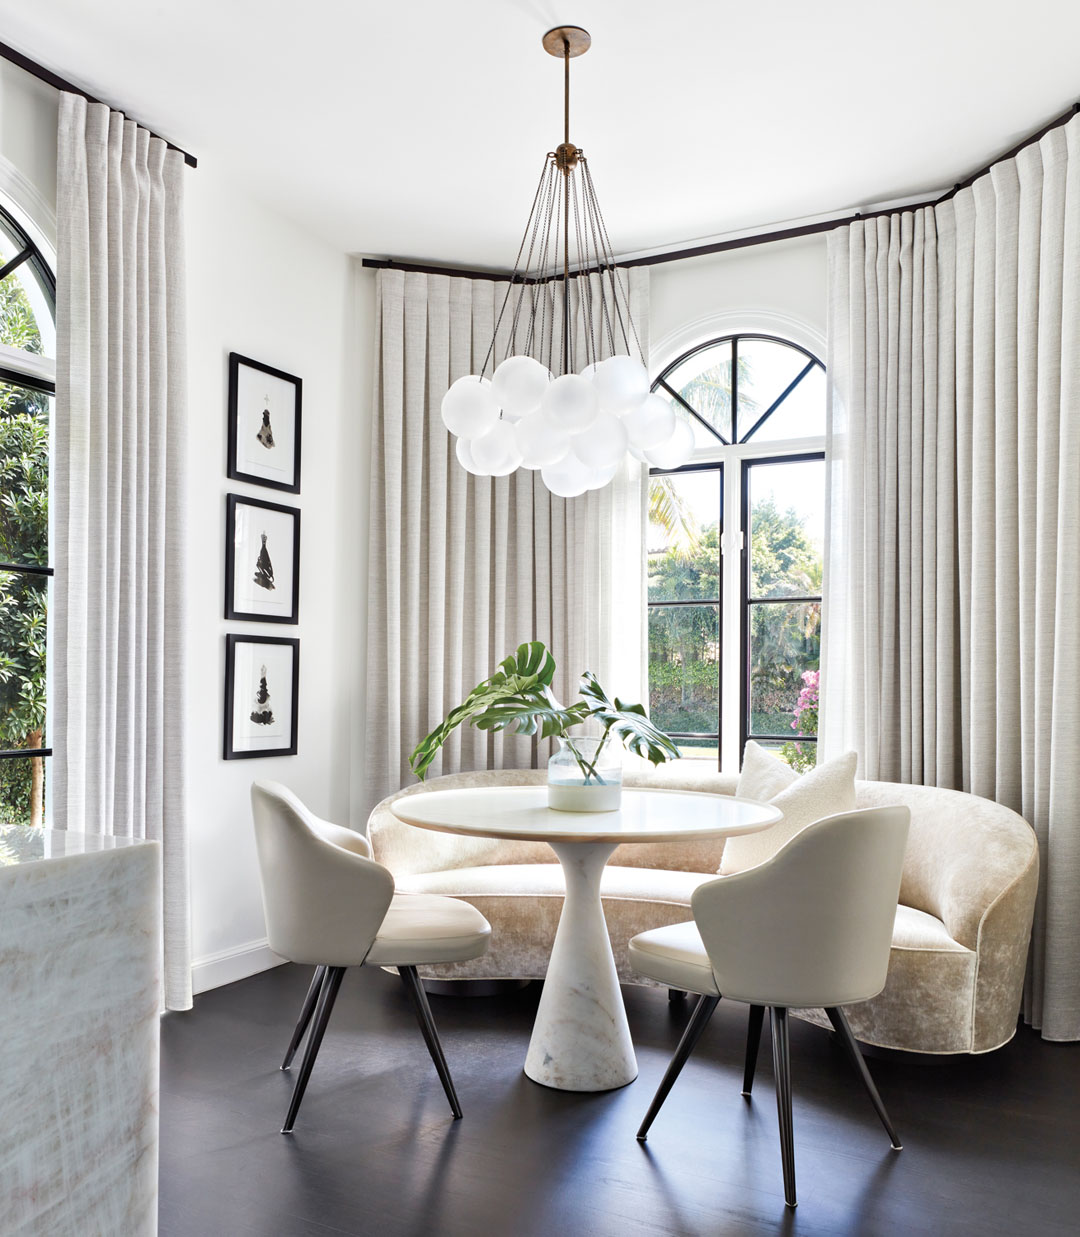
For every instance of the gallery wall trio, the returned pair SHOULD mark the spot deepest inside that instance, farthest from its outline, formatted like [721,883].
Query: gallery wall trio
[262,561]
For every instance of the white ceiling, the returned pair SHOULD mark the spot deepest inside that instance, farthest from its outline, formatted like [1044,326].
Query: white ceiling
[417,128]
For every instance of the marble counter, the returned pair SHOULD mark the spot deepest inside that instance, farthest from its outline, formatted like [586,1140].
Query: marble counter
[79,999]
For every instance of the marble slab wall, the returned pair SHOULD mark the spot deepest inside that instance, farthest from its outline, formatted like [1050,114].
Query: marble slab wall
[79,1006]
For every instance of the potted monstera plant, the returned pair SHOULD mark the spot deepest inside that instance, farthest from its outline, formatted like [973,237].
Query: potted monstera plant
[585,775]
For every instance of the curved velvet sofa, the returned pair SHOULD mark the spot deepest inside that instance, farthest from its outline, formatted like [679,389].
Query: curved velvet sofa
[960,940]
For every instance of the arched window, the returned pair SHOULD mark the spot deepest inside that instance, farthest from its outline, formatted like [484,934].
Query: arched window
[735,551]
[27,385]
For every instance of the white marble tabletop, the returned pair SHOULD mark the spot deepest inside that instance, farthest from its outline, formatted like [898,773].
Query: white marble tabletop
[521,813]
[20,844]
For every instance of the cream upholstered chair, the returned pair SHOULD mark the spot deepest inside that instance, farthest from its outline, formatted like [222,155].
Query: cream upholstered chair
[810,927]
[328,903]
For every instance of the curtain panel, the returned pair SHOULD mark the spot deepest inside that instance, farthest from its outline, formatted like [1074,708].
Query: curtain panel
[118,497]
[951,647]
[463,569]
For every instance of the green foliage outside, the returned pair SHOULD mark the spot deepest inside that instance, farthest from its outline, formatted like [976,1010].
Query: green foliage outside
[785,639]
[24,521]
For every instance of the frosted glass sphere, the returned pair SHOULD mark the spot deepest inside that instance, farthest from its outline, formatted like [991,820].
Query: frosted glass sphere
[497,452]
[674,451]
[568,478]
[589,370]
[571,403]
[463,450]
[540,440]
[621,383]
[603,443]
[650,423]
[469,408]
[518,385]
[603,476]
[637,453]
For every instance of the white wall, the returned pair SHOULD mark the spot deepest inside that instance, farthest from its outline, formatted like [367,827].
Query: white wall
[259,285]
[28,115]
[778,288]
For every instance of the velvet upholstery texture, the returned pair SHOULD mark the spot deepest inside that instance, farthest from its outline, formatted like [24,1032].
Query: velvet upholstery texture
[960,939]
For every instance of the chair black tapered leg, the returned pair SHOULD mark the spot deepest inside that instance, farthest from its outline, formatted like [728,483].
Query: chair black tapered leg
[306,1010]
[323,1008]
[753,1040]
[782,1071]
[699,1019]
[431,1036]
[840,1025]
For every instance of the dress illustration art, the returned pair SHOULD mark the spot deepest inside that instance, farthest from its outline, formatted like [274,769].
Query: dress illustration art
[264,568]
[266,433]
[262,714]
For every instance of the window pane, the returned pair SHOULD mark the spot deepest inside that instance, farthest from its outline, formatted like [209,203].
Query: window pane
[684,675]
[801,415]
[24,477]
[704,381]
[785,644]
[700,749]
[25,317]
[765,370]
[22,784]
[801,754]
[684,536]
[787,528]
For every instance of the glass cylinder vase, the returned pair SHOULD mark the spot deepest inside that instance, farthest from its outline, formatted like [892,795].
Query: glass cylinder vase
[582,778]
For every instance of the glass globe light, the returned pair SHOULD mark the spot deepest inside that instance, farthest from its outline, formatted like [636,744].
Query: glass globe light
[603,443]
[497,451]
[463,451]
[650,423]
[518,385]
[568,478]
[603,476]
[540,440]
[621,383]
[637,453]
[673,452]
[589,370]
[469,409]
[570,401]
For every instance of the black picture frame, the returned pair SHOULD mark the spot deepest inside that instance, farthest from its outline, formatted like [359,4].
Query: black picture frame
[244,428]
[238,681]
[258,563]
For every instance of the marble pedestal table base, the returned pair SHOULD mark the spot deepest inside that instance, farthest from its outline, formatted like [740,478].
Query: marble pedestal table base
[581,1039]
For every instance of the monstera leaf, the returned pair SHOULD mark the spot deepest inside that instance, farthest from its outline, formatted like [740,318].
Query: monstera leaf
[518,692]
[629,722]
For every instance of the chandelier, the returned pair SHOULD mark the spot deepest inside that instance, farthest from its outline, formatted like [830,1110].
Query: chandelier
[538,410]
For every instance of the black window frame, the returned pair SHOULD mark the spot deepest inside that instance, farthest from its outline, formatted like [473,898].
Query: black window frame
[29,253]
[661,385]
[747,601]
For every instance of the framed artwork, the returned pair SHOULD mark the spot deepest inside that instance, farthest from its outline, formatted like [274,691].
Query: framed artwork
[262,696]
[264,424]
[262,561]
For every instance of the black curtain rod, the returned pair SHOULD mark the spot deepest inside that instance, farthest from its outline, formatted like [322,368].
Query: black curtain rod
[758,238]
[54,79]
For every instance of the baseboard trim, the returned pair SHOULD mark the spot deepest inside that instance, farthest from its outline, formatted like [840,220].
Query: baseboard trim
[228,965]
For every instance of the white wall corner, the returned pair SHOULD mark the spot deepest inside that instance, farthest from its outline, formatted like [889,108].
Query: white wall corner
[228,965]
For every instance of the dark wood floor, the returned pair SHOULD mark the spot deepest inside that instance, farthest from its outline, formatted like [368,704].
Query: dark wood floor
[992,1144]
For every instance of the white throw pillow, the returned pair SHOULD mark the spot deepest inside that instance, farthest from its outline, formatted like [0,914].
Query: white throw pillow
[824,791]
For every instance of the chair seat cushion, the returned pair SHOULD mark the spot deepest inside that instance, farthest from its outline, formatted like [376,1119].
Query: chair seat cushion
[523,902]
[674,956]
[918,930]
[420,929]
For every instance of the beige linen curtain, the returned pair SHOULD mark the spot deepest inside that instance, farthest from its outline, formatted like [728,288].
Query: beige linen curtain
[462,569]
[951,651]
[116,708]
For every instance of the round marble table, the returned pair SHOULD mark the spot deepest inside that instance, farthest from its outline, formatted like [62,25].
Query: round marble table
[581,1039]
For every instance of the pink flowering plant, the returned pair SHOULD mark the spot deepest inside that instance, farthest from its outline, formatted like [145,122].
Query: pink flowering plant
[805,723]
